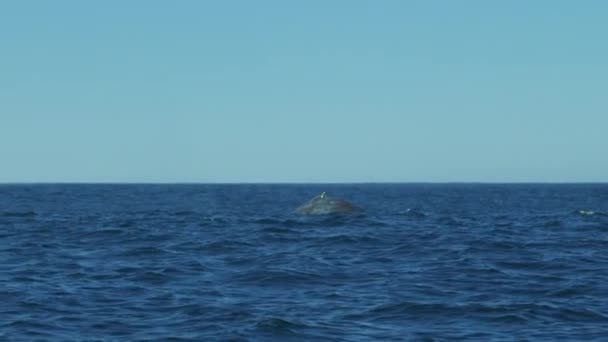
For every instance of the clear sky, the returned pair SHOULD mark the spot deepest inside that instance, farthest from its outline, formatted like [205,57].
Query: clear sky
[303,91]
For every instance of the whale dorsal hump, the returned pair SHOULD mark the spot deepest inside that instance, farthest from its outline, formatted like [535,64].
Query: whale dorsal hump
[324,204]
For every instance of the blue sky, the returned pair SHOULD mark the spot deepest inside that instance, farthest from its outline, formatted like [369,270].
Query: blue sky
[306,91]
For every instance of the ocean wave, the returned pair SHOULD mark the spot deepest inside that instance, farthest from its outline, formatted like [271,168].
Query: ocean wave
[413,212]
[26,213]
[513,313]
[279,326]
[347,240]
[213,221]
[143,252]
[155,278]
[270,277]
[590,213]
[226,247]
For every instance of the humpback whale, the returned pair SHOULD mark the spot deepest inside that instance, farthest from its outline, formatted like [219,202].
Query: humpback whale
[324,204]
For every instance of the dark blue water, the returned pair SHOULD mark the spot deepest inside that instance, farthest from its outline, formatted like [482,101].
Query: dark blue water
[232,262]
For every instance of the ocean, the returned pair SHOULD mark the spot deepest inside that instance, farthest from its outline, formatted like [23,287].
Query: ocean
[199,262]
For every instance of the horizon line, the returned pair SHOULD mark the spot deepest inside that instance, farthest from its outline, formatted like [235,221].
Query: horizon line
[295,183]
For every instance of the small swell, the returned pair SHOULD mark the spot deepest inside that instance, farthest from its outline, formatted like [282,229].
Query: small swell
[279,326]
[151,277]
[288,223]
[18,214]
[581,315]
[143,252]
[276,230]
[226,246]
[126,223]
[279,278]
[185,213]
[109,231]
[34,329]
[336,220]
[210,221]
[511,313]
[590,213]
[349,240]
[268,220]
[451,221]
[553,224]
[412,212]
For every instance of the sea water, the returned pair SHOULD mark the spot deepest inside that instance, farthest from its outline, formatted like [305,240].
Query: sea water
[428,262]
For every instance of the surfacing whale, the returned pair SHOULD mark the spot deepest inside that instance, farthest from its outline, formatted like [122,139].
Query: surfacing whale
[323,204]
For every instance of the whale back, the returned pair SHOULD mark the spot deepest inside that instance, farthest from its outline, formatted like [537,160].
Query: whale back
[324,204]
